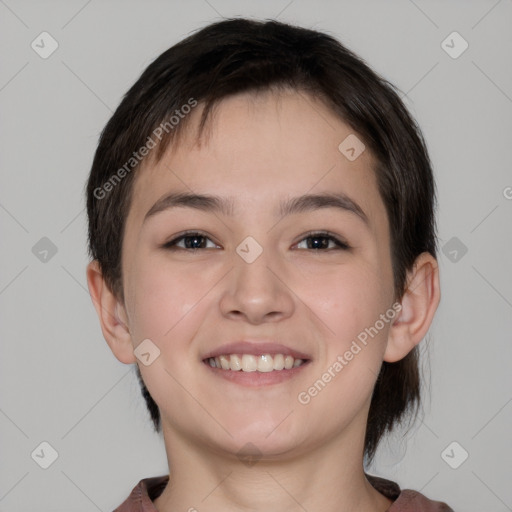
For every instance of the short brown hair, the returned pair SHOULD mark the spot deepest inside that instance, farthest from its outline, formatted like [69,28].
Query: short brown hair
[240,55]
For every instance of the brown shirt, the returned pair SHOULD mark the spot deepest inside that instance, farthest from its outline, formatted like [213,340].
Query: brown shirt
[143,494]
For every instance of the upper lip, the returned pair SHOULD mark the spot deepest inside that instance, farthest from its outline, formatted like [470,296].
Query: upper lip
[255,348]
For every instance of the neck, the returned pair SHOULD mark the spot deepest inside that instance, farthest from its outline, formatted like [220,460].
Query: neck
[328,478]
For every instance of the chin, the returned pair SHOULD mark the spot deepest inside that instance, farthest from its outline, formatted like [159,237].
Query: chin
[271,438]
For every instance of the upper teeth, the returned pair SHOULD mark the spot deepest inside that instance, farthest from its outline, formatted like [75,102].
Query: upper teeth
[250,363]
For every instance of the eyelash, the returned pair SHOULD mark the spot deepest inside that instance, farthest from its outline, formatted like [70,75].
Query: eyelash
[171,245]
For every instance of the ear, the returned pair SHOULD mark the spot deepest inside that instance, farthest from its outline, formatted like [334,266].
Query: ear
[419,303]
[112,315]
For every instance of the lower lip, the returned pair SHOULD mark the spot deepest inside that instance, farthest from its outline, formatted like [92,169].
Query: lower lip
[257,379]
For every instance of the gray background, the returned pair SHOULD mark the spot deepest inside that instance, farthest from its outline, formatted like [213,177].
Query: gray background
[59,381]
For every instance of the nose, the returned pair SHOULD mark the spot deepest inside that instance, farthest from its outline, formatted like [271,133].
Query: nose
[257,292]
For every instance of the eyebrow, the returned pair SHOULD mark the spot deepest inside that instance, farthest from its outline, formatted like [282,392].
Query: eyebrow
[225,205]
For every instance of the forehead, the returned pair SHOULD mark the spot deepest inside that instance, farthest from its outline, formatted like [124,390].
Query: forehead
[256,149]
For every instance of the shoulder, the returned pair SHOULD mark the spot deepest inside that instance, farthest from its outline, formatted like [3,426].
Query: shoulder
[413,501]
[142,495]
[406,500]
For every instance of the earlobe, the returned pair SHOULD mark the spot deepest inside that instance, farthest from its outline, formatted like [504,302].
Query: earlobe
[111,314]
[419,304]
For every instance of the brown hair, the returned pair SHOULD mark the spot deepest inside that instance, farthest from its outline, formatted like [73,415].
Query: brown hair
[240,55]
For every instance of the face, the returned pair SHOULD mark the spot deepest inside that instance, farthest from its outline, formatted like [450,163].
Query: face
[255,273]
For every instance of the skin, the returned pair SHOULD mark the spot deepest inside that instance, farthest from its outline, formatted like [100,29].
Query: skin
[261,149]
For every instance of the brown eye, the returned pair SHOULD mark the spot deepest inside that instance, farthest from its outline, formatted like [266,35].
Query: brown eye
[191,241]
[321,240]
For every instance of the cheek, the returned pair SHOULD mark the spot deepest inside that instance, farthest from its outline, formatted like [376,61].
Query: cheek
[164,297]
[350,302]
[167,308]
[348,298]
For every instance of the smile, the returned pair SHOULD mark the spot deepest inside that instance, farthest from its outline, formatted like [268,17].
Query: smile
[264,363]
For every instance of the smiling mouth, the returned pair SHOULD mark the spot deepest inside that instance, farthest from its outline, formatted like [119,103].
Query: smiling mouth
[264,363]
